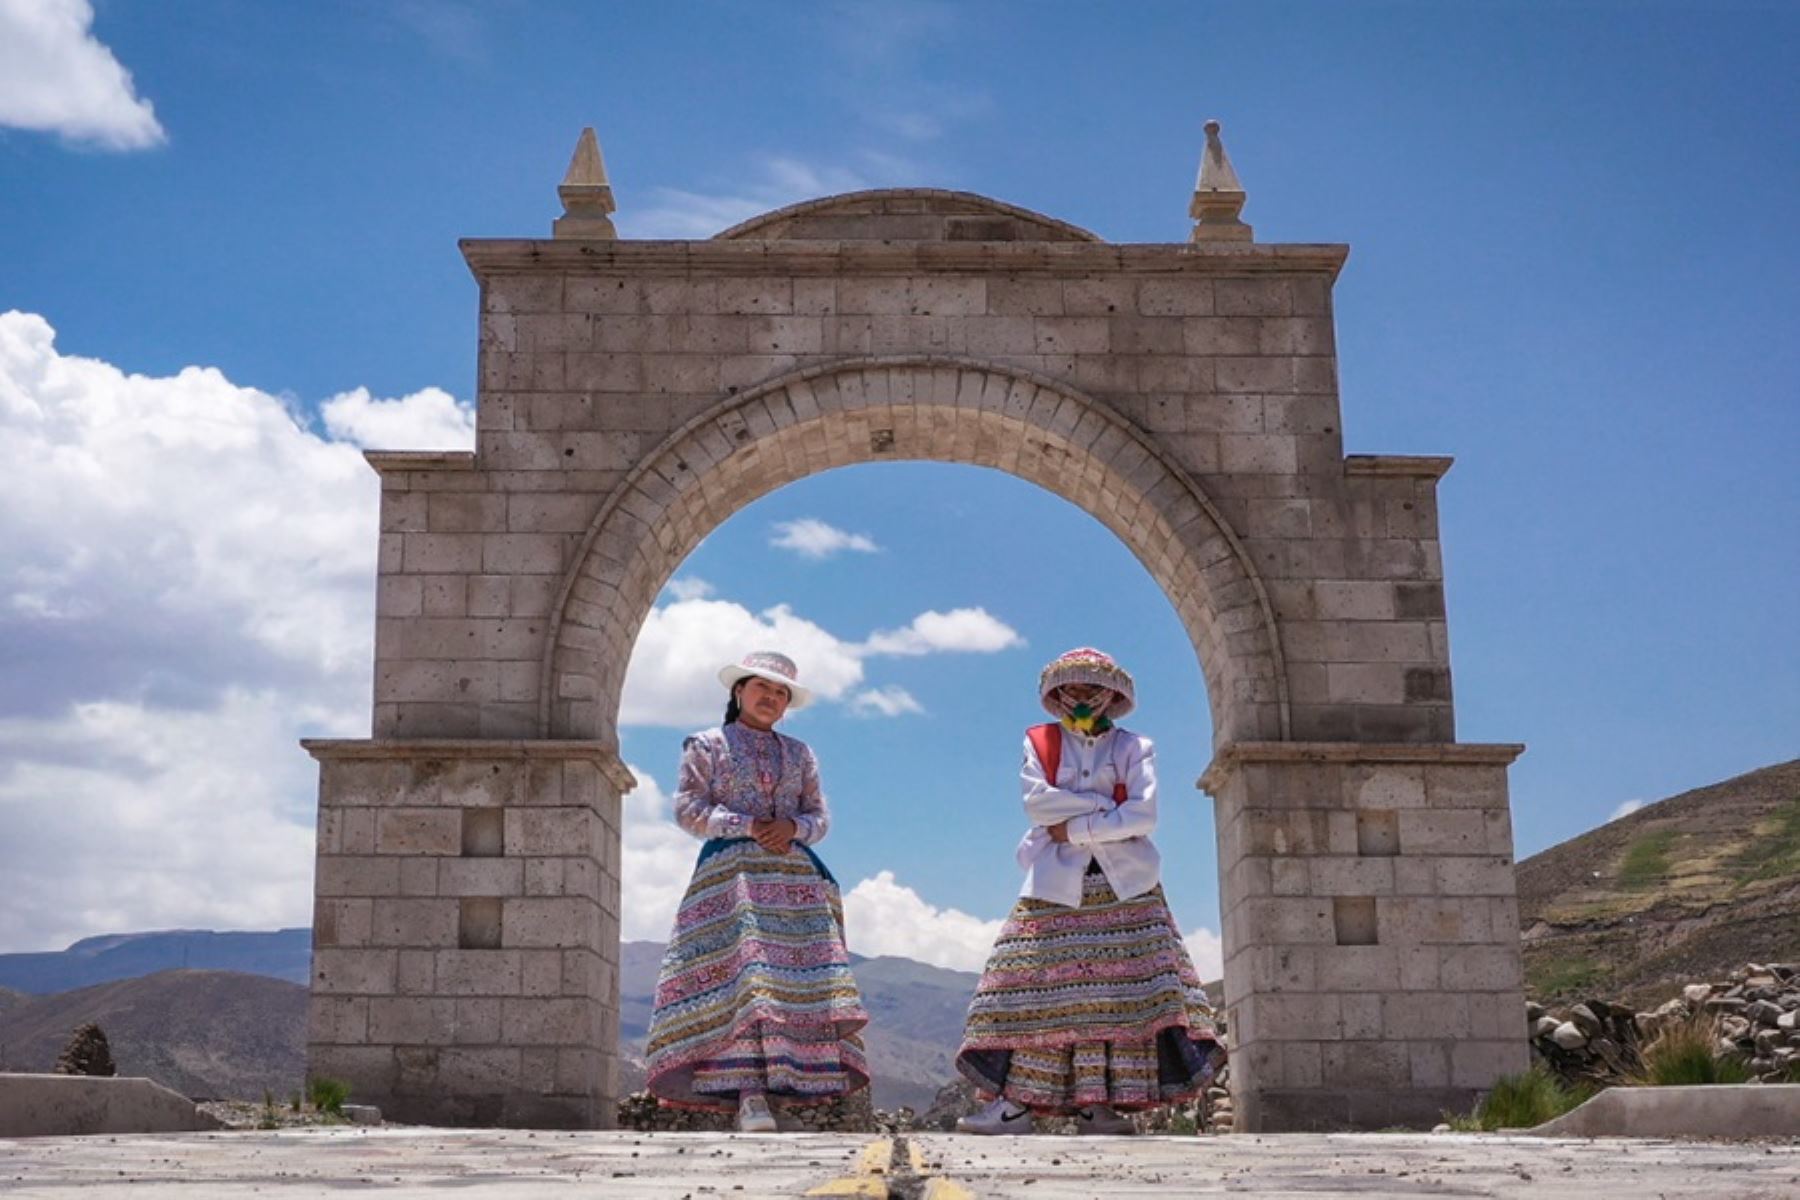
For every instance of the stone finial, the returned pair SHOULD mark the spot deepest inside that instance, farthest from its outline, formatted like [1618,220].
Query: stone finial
[1218,196]
[586,194]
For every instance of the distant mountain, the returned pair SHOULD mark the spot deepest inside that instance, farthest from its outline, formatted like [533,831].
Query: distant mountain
[206,1034]
[916,1016]
[1682,890]
[283,954]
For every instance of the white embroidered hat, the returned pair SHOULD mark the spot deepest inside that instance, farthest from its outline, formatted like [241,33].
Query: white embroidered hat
[1087,665]
[776,668]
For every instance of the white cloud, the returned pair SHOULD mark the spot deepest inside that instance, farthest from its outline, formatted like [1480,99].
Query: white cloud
[673,675]
[429,419]
[1625,809]
[883,916]
[961,630]
[122,817]
[1208,952]
[890,701]
[690,588]
[55,77]
[186,588]
[812,538]
[770,181]
[672,678]
[656,862]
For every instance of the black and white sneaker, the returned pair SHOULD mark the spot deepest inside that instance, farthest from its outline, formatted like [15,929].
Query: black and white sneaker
[1000,1117]
[1101,1120]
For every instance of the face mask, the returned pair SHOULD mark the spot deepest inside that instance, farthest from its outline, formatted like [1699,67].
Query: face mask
[1083,718]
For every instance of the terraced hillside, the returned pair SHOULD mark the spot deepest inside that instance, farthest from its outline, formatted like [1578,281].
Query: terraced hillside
[1684,889]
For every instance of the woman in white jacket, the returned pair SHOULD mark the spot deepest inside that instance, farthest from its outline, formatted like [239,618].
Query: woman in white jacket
[1089,1004]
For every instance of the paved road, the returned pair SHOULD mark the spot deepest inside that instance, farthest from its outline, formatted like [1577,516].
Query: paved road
[511,1164]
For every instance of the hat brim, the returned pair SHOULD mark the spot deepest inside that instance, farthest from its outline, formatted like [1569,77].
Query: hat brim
[1123,710]
[798,697]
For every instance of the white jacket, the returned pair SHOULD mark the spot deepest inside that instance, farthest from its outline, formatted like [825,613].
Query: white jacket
[1118,837]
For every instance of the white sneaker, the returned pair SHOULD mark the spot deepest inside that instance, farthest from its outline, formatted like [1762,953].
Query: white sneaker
[1001,1116]
[1100,1119]
[754,1115]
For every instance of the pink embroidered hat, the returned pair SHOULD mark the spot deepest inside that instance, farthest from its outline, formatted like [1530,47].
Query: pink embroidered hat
[776,668]
[1087,665]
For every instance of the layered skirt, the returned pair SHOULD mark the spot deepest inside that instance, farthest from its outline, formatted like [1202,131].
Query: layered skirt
[1097,1004]
[755,992]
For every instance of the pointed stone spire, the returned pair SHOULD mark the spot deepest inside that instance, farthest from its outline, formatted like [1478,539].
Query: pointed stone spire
[586,194]
[1218,196]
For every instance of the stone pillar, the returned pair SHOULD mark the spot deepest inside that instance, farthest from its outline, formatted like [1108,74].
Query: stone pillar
[466,929]
[1371,925]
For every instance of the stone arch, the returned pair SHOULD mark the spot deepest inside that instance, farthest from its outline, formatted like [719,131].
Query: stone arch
[906,214]
[899,408]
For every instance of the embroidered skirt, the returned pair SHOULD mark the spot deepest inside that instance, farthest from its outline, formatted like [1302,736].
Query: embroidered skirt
[1098,1004]
[755,992]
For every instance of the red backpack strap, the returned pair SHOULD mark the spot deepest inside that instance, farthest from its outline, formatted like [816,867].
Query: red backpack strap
[1046,742]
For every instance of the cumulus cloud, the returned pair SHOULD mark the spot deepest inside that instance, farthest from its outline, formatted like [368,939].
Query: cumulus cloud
[884,916]
[812,538]
[890,701]
[966,630]
[186,588]
[56,77]
[429,419]
[658,857]
[1625,809]
[672,678]
[673,675]
[767,182]
[1207,950]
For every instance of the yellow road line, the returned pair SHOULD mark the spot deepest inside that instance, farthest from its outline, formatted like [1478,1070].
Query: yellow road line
[871,1175]
[939,1188]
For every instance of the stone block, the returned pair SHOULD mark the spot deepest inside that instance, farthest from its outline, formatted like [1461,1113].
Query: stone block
[415,972]
[1485,876]
[1443,831]
[1357,969]
[342,922]
[1279,920]
[1430,1063]
[416,1020]
[1481,969]
[1369,1064]
[418,924]
[356,875]
[338,1019]
[541,972]
[480,876]
[402,831]
[1361,1016]
[340,972]
[418,876]
[552,922]
[552,831]
[478,1071]
[1477,1064]
[1424,920]
[1293,1016]
[1416,1016]
[550,1022]
[478,972]
[1339,876]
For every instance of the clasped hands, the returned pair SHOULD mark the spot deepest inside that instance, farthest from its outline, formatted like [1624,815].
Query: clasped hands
[776,835]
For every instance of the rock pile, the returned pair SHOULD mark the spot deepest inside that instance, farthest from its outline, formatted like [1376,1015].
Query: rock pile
[1756,1014]
[840,1114]
[87,1053]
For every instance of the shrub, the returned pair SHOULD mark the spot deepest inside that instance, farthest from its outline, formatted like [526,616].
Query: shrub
[1686,1053]
[327,1095]
[1521,1102]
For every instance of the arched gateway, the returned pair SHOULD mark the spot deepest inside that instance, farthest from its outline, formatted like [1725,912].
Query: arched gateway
[635,394]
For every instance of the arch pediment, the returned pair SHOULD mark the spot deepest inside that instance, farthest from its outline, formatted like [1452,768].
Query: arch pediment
[906,214]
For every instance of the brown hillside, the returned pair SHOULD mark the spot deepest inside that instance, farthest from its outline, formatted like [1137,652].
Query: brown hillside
[1682,890]
[203,1033]
[10,999]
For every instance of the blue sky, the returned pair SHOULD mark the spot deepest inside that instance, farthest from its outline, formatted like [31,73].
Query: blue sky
[1573,267]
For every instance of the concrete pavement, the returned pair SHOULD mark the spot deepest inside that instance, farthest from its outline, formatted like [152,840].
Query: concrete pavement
[508,1164]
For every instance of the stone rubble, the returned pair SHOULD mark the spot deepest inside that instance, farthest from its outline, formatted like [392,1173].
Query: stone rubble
[1756,1013]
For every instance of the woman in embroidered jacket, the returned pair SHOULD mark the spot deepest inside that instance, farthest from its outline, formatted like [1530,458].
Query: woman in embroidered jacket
[1089,1003]
[755,997]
